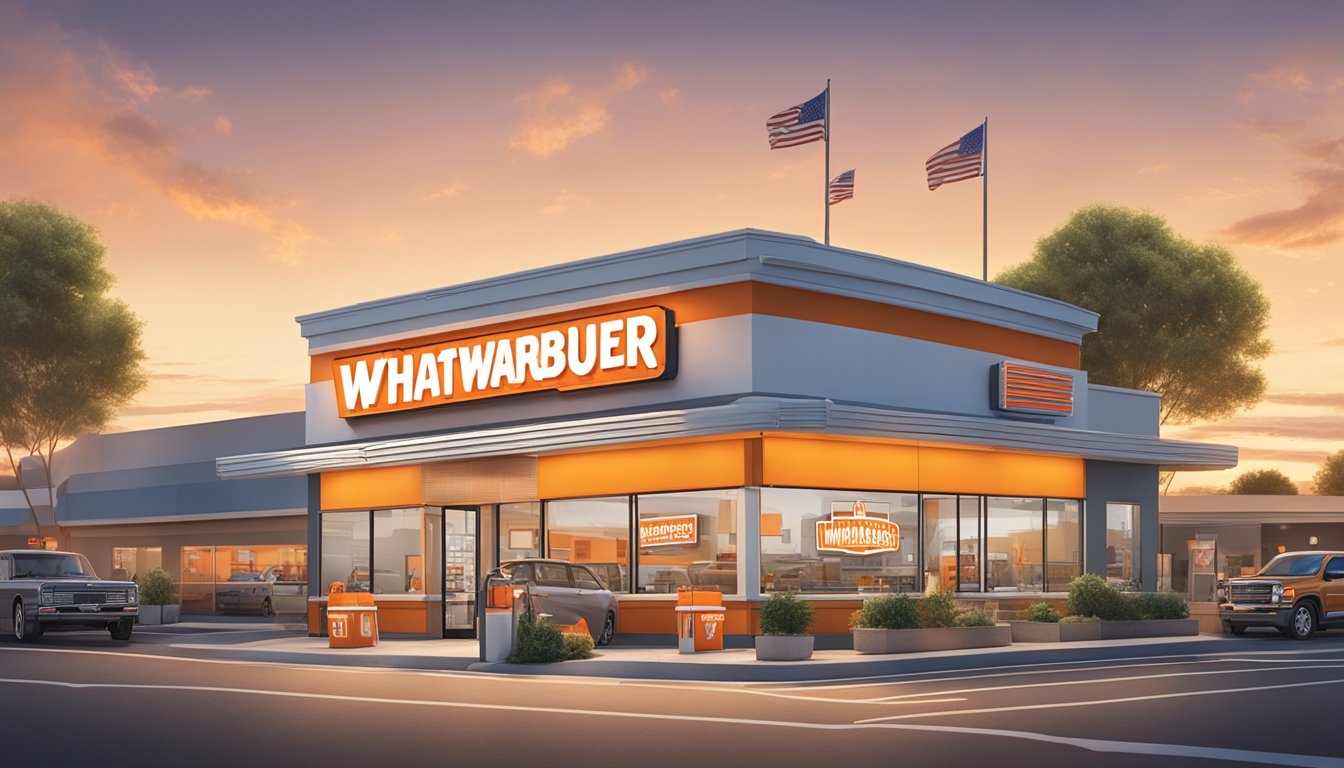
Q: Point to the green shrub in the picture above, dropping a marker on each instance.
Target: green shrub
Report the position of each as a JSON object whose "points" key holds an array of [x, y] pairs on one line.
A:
{"points": [[578, 646], [1043, 612], [1078, 619], [937, 610], [539, 641], [156, 588], [1090, 595], [784, 614], [976, 617], [886, 612], [1158, 605]]}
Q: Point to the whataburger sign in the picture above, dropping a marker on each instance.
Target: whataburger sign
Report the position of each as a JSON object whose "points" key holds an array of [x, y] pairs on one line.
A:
{"points": [[614, 348], [858, 534], [668, 531]]}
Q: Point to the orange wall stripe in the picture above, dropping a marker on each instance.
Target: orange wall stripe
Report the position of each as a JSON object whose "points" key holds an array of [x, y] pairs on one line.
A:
{"points": [[838, 464], [748, 296], [685, 466], [375, 487], [1000, 474]]}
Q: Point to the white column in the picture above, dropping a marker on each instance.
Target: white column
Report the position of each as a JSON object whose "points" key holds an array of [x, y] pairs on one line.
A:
{"points": [[749, 543]]}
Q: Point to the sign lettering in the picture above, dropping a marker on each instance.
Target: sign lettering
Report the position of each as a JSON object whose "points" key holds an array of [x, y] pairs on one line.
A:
{"points": [[668, 531], [857, 533]]}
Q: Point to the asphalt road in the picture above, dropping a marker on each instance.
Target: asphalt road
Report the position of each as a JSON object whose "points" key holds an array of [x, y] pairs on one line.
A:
{"points": [[75, 699]]}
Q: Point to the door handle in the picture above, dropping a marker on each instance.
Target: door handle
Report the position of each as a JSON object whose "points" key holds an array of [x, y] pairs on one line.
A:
{"points": [[541, 594]]}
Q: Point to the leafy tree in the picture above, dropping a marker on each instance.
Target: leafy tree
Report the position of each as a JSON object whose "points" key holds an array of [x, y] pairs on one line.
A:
{"points": [[1177, 317], [1263, 482], [1329, 479], [69, 354]]}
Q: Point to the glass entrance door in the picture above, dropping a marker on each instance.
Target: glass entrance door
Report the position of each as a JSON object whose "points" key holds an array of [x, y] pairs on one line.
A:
{"points": [[460, 570]]}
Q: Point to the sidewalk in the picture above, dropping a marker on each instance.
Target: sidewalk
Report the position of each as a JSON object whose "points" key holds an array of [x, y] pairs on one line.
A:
{"points": [[664, 663]]}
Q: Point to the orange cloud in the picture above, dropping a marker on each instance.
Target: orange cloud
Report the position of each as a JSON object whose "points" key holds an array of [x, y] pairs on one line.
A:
{"points": [[565, 200], [452, 190], [556, 114], [86, 100]]}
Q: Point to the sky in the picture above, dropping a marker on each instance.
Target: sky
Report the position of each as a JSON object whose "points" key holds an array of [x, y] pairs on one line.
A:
{"points": [[246, 163]]}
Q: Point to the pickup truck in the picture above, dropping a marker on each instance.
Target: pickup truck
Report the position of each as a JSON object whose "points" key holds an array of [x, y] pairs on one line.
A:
{"points": [[42, 590], [1297, 593]]}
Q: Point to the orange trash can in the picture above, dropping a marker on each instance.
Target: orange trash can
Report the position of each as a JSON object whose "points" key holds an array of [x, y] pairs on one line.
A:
{"points": [[352, 620], [700, 618]]}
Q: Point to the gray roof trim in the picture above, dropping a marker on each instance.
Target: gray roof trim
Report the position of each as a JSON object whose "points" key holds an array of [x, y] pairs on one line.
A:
{"points": [[722, 258], [747, 414], [89, 523]]}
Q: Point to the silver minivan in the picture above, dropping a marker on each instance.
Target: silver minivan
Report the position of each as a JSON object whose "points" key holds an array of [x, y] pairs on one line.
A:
{"points": [[566, 592]]}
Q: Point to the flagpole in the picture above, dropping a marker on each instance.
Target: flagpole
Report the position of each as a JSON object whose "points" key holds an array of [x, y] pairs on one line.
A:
{"points": [[826, 180], [984, 203]]}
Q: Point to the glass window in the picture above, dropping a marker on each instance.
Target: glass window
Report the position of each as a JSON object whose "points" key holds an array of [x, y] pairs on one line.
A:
{"points": [[859, 550], [584, 578], [345, 551], [969, 565], [551, 574], [519, 531], [128, 563], [198, 579], [689, 540], [940, 543], [595, 532], [1063, 543], [1122, 544], [402, 543], [1014, 544]]}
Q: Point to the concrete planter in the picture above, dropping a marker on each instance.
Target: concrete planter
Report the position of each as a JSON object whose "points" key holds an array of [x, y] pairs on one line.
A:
{"points": [[924, 640], [1124, 630], [159, 614], [783, 647], [1047, 632]]}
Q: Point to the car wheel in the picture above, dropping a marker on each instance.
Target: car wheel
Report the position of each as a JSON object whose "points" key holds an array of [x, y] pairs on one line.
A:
{"points": [[121, 630], [608, 630], [25, 631], [1303, 623], [266, 608]]}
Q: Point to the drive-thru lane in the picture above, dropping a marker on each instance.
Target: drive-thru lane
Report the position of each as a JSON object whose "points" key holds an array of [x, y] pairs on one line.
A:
{"points": [[1252, 707]]}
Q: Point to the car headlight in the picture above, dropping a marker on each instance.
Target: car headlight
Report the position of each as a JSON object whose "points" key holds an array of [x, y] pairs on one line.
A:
{"points": [[46, 596]]}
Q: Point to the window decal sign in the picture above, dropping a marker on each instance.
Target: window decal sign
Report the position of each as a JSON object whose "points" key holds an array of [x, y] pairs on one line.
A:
{"points": [[1027, 389], [858, 533], [614, 348], [668, 531]]}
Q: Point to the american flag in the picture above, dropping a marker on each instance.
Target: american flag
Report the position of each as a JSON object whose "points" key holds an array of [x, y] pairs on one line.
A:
{"points": [[962, 159], [798, 125], [842, 187]]}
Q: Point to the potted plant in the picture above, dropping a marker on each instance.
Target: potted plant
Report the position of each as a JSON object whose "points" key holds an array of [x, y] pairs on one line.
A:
{"points": [[784, 623], [1045, 625], [1124, 615], [901, 624], [157, 604]]}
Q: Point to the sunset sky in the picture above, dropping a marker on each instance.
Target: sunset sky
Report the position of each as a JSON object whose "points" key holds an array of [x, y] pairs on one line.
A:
{"points": [[249, 162]]}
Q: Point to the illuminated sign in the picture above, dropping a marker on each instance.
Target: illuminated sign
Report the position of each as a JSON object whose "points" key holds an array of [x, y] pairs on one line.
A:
{"points": [[1025, 389], [668, 531], [857, 533], [614, 348]]}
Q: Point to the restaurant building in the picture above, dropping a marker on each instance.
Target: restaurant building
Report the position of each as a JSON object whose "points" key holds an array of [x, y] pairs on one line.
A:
{"points": [[749, 411]]}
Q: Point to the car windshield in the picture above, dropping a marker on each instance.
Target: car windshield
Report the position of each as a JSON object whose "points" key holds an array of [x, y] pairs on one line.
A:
{"points": [[1293, 565], [51, 565]]}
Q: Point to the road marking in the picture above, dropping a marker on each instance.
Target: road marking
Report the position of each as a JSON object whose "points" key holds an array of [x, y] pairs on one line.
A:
{"points": [[1093, 745], [1092, 681], [1124, 700]]}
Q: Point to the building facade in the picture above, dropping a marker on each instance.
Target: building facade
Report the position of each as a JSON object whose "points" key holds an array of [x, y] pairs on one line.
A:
{"points": [[751, 412]]}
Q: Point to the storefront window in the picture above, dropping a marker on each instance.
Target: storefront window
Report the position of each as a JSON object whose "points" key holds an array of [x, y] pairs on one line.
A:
{"points": [[519, 531], [968, 530], [129, 563], [198, 580], [688, 540], [345, 551], [404, 540], [854, 553], [1014, 543], [1063, 543], [595, 532], [1122, 544], [940, 543]]}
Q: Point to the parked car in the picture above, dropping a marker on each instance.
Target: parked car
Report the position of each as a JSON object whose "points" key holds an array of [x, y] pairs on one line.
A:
{"points": [[567, 592], [1296, 593], [246, 593], [41, 590]]}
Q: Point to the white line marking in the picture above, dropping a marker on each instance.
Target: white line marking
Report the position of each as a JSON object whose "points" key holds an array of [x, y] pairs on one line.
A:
{"points": [[1124, 700], [1094, 745], [1097, 681]]}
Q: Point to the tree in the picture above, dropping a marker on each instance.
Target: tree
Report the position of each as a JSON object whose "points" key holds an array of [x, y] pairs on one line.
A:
{"points": [[1177, 317], [69, 354], [1263, 482], [1329, 479]]}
